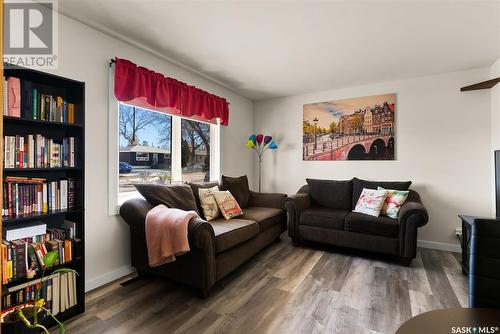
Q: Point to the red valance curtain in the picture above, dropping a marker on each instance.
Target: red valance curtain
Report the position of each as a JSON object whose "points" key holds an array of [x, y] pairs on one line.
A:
{"points": [[142, 87]]}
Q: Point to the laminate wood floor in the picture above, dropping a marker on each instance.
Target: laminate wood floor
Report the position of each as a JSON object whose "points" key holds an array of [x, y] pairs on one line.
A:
{"points": [[311, 289]]}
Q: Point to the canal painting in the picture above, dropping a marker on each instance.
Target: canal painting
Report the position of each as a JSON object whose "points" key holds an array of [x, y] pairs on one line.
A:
{"points": [[360, 128]]}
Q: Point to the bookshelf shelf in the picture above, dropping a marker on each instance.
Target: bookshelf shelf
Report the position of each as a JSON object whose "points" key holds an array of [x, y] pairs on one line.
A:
{"points": [[9, 119], [71, 264], [38, 86], [54, 169], [37, 216]]}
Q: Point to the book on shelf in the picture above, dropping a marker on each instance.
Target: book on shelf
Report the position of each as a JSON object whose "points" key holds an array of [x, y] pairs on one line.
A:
{"points": [[24, 196], [23, 231], [36, 151], [25, 100], [70, 227], [74, 198], [12, 97], [21, 256], [59, 292], [5, 98]]}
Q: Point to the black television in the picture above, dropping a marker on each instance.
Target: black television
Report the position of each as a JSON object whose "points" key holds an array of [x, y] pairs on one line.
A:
{"points": [[497, 183]]}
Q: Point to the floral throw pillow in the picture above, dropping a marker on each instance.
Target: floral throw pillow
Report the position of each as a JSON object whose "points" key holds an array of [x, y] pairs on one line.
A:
{"points": [[393, 202], [227, 204], [208, 202], [370, 202]]}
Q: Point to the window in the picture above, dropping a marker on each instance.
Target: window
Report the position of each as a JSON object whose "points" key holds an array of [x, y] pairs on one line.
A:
{"points": [[155, 147], [141, 156], [195, 151], [145, 138]]}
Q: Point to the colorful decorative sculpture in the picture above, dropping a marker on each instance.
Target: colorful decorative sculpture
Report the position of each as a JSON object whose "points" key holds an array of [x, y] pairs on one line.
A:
{"points": [[260, 143]]}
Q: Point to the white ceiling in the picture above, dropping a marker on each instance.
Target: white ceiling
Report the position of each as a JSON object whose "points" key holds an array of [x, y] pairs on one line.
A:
{"points": [[268, 49]]}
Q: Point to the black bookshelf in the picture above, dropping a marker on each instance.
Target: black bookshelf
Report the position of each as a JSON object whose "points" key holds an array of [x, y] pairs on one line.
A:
{"points": [[72, 91]]}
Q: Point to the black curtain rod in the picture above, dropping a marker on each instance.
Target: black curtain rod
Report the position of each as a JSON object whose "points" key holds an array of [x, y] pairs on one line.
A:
{"points": [[111, 62]]}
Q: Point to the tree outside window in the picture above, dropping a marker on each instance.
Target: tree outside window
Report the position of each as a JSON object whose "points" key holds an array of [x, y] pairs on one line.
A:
{"points": [[145, 147]]}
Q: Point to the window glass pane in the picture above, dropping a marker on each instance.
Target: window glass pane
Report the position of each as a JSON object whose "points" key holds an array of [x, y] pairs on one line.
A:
{"points": [[145, 146], [195, 151]]}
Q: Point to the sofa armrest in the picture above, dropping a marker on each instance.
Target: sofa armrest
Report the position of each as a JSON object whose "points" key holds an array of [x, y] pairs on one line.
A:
{"points": [[410, 209], [267, 200], [196, 268], [412, 215], [200, 233], [299, 201], [134, 211], [294, 206]]}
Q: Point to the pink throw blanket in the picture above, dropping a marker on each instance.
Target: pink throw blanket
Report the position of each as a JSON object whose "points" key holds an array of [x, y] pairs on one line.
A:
{"points": [[167, 234]]}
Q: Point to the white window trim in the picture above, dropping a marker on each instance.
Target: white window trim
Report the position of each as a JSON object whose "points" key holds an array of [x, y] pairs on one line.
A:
{"points": [[113, 146], [176, 150], [214, 154], [114, 201]]}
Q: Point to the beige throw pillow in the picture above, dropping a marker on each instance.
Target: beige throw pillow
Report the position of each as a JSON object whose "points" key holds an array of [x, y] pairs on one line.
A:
{"points": [[227, 204], [370, 202], [208, 203], [393, 202]]}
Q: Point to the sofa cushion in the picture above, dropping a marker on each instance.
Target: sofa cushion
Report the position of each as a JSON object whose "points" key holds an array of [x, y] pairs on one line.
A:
{"points": [[238, 187], [393, 202], [332, 194], [359, 184], [228, 206], [265, 217], [179, 196], [230, 233], [208, 203], [323, 217], [195, 186], [382, 226], [371, 201]]}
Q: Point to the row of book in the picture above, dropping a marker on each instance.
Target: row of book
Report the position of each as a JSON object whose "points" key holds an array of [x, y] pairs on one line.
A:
{"points": [[26, 195], [23, 258], [59, 292], [24, 99], [36, 151], [38, 232]]}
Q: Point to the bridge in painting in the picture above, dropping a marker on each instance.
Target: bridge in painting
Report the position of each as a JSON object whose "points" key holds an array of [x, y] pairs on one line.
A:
{"points": [[349, 147]]}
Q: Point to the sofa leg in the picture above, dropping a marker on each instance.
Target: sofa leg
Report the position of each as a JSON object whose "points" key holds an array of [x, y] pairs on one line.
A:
{"points": [[296, 242], [405, 261], [204, 292]]}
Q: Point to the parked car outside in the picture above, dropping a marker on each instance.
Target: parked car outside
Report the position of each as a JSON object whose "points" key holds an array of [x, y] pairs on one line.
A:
{"points": [[125, 167]]}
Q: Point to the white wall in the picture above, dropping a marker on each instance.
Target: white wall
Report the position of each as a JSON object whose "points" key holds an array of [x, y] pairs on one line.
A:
{"points": [[84, 55], [495, 125], [442, 145]]}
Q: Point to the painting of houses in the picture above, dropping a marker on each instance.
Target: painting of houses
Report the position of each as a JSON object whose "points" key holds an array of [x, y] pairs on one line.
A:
{"points": [[359, 128]]}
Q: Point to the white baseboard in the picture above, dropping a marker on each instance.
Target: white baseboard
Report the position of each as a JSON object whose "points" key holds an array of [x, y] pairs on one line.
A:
{"points": [[439, 246], [98, 281]]}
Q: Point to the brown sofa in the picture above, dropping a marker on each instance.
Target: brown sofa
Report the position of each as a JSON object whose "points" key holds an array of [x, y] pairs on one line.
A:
{"points": [[217, 247], [322, 211]]}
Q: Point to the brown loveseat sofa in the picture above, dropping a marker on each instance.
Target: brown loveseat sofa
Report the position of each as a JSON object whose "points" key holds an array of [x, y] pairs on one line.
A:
{"points": [[322, 211], [217, 247]]}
